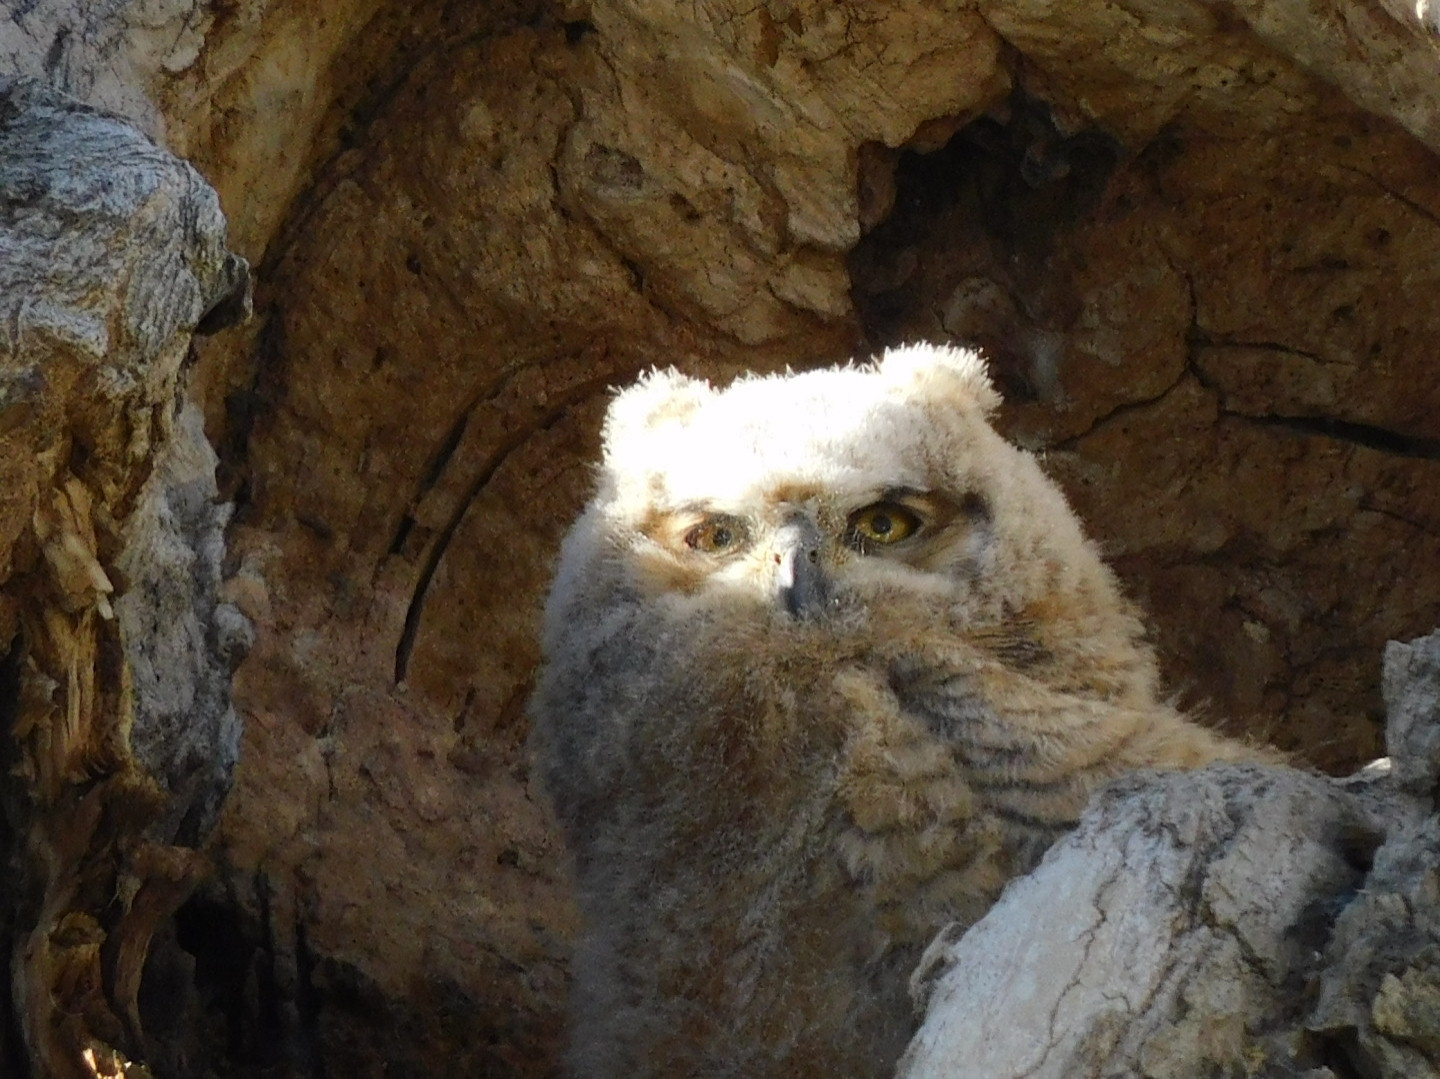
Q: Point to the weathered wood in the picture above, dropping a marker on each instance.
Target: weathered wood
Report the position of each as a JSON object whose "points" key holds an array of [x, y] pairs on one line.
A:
{"points": [[1379, 995], [115, 722], [1236, 921]]}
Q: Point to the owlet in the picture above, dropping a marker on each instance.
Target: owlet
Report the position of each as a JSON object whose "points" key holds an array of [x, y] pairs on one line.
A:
{"points": [[827, 662]]}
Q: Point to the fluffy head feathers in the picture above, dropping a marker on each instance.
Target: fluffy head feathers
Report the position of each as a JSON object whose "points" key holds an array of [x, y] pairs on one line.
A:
{"points": [[674, 438]]}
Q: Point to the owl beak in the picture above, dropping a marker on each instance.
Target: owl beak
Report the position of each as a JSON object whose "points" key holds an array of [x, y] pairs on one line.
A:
{"points": [[799, 580]]}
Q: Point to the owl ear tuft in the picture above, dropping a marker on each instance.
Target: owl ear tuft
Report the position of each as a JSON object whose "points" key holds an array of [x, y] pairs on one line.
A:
{"points": [[942, 371], [657, 397]]}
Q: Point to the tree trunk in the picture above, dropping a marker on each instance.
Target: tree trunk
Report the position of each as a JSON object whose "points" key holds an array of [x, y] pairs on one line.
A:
{"points": [[119, 739], [1234, 921]]}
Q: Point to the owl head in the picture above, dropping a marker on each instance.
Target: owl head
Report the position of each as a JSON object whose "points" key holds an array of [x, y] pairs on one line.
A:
{"points": [[802, 493], [858, 510]]}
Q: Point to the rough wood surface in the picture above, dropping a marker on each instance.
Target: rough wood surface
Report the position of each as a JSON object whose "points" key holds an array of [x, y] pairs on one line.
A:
{"points": [[1379, 994], [116, 728], [1232, 921]]}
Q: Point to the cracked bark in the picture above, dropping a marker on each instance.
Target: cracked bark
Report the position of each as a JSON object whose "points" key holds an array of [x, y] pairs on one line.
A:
{"points": [[492, 464], [1127, 408], [1258, 921], [1356, 434], [1370, 436], [116, 729]]}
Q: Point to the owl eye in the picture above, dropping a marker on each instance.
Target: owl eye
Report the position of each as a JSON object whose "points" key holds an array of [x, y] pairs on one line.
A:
{"points": [[719, 534], [880, 524]]}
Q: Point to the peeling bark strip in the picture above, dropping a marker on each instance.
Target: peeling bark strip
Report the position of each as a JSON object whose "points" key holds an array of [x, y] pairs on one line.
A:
{"points": [[1233, 921], [116, 732]]}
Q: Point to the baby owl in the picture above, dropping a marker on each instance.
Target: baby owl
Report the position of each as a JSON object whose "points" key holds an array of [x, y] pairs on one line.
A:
{"points": [[827, 662]]}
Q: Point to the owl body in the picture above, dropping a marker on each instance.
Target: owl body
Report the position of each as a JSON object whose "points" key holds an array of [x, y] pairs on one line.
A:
{"points": [[827, 662]]}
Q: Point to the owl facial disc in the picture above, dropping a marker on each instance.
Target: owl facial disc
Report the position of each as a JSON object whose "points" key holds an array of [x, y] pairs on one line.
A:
{"points": [[800, 582]]}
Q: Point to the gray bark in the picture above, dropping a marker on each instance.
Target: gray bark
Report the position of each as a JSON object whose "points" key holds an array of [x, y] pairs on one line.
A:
{"points": [[181, 642], [1380, 991], [107, 53], [1234, 921], [115, 721]]}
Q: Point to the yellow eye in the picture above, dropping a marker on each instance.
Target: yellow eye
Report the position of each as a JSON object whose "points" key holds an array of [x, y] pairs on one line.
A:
{"points": [[880, 524], [719, 534]]}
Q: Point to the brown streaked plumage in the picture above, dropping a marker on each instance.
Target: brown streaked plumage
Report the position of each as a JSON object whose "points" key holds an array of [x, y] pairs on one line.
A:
{"points": [[827, 662]]}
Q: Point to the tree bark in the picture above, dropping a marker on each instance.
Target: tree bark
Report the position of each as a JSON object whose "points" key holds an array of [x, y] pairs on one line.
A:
{"points": [[115, 722], [1234, 921]]}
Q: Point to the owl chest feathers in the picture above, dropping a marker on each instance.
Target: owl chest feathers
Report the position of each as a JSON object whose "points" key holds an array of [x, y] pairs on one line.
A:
{"points": [[931, 762]]}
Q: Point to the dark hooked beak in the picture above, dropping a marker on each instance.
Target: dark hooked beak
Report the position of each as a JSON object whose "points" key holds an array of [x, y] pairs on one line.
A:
{"points": [[800, 582]]}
